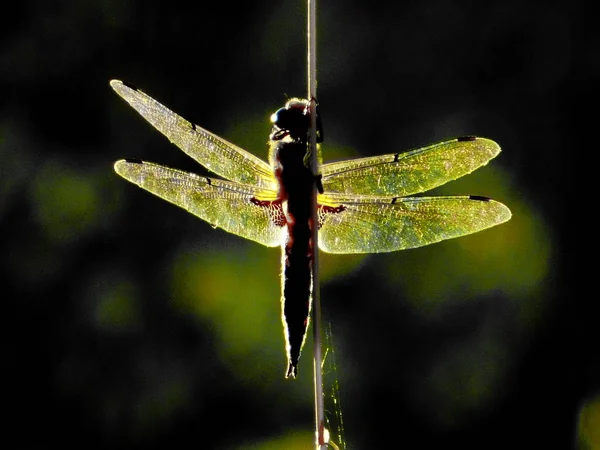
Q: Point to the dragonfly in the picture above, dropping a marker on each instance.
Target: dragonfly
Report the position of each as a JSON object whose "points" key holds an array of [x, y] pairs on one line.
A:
{"points": [[364, 205]]}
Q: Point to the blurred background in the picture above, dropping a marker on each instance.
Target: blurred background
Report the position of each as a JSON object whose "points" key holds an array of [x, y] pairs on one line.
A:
{"points": [[129, 323]]}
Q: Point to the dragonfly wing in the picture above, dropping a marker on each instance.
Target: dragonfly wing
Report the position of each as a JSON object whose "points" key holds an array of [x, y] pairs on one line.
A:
{"points": [[402, 174], [370, 224], [223, 204], [214, 153]]}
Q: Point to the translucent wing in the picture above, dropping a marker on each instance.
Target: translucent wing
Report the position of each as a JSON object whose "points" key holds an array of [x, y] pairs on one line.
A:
{"points": [[371, 224], [223, 204], [402, 174], [216, 154]]}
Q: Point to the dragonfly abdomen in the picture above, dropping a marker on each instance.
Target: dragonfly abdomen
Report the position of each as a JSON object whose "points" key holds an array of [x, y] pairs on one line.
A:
{"points": [[296, 190], [296, 298]]}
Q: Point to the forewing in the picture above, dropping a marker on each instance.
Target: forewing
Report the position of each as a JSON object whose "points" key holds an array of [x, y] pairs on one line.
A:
{"points": [[223, 204], [372, 224], [402, 174], [216, 154]]}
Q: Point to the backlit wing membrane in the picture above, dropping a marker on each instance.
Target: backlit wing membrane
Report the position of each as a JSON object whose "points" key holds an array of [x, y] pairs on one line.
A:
{"points": [[223, 204], [216, 154], [370, 224], [401, 174], [368, 211]]}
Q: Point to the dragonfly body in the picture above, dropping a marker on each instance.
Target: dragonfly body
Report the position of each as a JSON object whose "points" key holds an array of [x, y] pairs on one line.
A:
{"points": [[296, 187], [364, 204]]}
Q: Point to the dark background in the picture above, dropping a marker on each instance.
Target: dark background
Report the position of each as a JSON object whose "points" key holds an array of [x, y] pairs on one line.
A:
{"points": [[128, 323]]}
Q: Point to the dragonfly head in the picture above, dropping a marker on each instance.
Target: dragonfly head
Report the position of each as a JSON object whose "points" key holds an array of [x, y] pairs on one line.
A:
{"points": [[293, 120]]}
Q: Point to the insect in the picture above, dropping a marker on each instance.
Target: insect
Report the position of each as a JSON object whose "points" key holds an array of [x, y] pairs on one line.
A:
{"points": [[364, 204]]}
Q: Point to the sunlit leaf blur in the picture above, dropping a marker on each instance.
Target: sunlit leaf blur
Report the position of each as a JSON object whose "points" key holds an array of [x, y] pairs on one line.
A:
{"points": [[129, 323], [588, 433]]}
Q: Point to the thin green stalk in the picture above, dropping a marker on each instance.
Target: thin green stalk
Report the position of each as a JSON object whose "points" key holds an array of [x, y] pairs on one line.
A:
{"points": [[320, 438]]}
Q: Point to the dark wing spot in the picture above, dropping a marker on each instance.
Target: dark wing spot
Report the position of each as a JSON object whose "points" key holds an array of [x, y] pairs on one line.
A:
{"points": [[396, 157], [323, 211], [466, 138], [263, 203], [479, 197], [394, 200], [274, 208], [331, 209]]}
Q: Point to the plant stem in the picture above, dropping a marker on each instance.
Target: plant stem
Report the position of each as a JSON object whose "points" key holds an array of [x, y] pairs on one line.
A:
{"points": [[320, 439]]}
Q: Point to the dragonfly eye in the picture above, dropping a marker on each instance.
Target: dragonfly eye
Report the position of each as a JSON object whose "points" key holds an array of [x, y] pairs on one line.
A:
{"points": [[293, 120]]}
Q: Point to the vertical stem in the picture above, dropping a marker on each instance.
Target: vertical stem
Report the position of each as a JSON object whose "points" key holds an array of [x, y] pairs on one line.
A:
{"points": [[320, 443]]}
